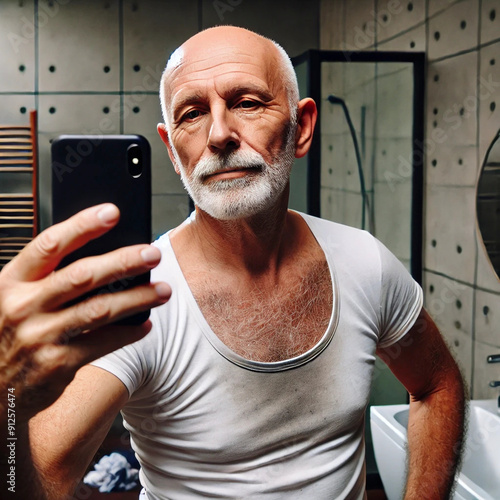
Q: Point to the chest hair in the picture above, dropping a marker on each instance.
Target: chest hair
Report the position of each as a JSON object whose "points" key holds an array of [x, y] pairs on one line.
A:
{"points": [[272, 324]]}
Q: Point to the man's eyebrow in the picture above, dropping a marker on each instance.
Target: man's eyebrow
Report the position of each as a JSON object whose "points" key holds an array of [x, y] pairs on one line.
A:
{"points": [[178, 104], [238, 90]]}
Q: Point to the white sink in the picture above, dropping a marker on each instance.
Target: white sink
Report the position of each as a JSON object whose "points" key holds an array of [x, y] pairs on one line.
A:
{"points": [[479, 478]]}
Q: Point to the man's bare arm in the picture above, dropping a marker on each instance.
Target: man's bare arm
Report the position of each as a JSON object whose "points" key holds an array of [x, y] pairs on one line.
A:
{"points": [[74, 428], [55, 448], [423, 363]]}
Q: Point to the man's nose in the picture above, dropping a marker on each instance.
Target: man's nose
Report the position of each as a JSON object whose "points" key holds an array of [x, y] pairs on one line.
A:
{"points": [[223, 134]]}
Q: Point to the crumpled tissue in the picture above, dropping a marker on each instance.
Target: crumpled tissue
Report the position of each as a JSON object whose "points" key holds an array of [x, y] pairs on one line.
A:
{"points": [[112, 473]]}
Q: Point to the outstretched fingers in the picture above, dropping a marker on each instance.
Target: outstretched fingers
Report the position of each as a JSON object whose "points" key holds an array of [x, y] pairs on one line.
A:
{"points": [[110, 271], [104, 309], [42, 255]]}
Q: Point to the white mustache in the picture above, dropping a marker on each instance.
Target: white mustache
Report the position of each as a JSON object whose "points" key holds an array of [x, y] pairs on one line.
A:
{"points": [[236, 159]]}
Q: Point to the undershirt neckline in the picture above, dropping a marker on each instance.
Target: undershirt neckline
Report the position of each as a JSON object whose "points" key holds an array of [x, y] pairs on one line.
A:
{"points": [[261, 366]]}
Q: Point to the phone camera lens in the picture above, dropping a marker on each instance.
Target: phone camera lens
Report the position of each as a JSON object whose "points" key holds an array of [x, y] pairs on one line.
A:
{"points": [[134, 160]]}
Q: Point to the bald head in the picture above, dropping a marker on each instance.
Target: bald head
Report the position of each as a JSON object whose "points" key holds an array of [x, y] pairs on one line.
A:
{"points": [[214, 42]]}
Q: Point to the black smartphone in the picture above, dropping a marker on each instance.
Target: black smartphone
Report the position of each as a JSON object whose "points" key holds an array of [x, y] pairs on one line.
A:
{"points": [[88, 170]]}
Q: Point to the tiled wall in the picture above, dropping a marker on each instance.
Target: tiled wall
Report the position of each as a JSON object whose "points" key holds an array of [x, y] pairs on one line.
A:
{"points": [[462, 42], [94, 68]]}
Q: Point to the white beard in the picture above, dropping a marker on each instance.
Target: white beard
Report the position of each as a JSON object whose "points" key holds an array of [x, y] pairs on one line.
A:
{"points": [[228, 199]]}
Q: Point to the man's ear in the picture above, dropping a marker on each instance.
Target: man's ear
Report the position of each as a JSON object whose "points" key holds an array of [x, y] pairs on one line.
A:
{"points": [[306, 120], [162, 130]]}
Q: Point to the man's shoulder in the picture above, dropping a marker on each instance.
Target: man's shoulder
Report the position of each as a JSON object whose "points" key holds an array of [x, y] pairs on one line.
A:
{"points": [[346, 246], [335, 230]]}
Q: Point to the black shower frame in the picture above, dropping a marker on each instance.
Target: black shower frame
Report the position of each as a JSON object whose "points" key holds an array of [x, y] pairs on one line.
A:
{"points": [[314, 58]]}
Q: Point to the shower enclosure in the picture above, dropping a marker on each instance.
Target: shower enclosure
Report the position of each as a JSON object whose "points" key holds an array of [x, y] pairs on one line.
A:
{"points": [[365, 166], [383, 95]]}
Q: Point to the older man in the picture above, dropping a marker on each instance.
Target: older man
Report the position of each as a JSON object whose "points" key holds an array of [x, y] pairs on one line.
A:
{"points": [[254, 380]]}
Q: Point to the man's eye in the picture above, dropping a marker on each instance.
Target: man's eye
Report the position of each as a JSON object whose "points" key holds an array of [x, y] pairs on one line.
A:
{"points": [[191, 115], [247, 104]]}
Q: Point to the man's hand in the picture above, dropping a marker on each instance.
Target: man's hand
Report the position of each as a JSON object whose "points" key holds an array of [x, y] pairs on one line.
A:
{"points": [[43, 342]]}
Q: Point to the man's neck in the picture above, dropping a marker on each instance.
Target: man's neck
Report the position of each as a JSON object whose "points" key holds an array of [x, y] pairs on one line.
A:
{"points": [[255, 246]]}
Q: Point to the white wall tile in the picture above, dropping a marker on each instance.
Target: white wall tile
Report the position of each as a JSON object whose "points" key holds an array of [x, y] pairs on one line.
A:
{"points": [[79, 47], [490, 20], [409, 41], [17, 57], [151, 32], [360, 25], [487, 318], [396, 17], [454, 30], [70, 114], [450, 246], [14, 109], [450, 304], [452, 102], [452, 165], [95, 114], [436, 6]]}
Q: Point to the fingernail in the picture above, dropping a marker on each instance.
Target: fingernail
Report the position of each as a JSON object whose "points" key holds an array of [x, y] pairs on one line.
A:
{"points": [[108, 213], [150, 255], [163, 290]]}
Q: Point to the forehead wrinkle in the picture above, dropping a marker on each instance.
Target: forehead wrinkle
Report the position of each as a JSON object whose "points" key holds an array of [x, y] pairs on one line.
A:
{"points": [[225, 82], [193, 71]]}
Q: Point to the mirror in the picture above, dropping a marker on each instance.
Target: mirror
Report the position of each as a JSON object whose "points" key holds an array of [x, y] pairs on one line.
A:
{"points": [[488, 203]]}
